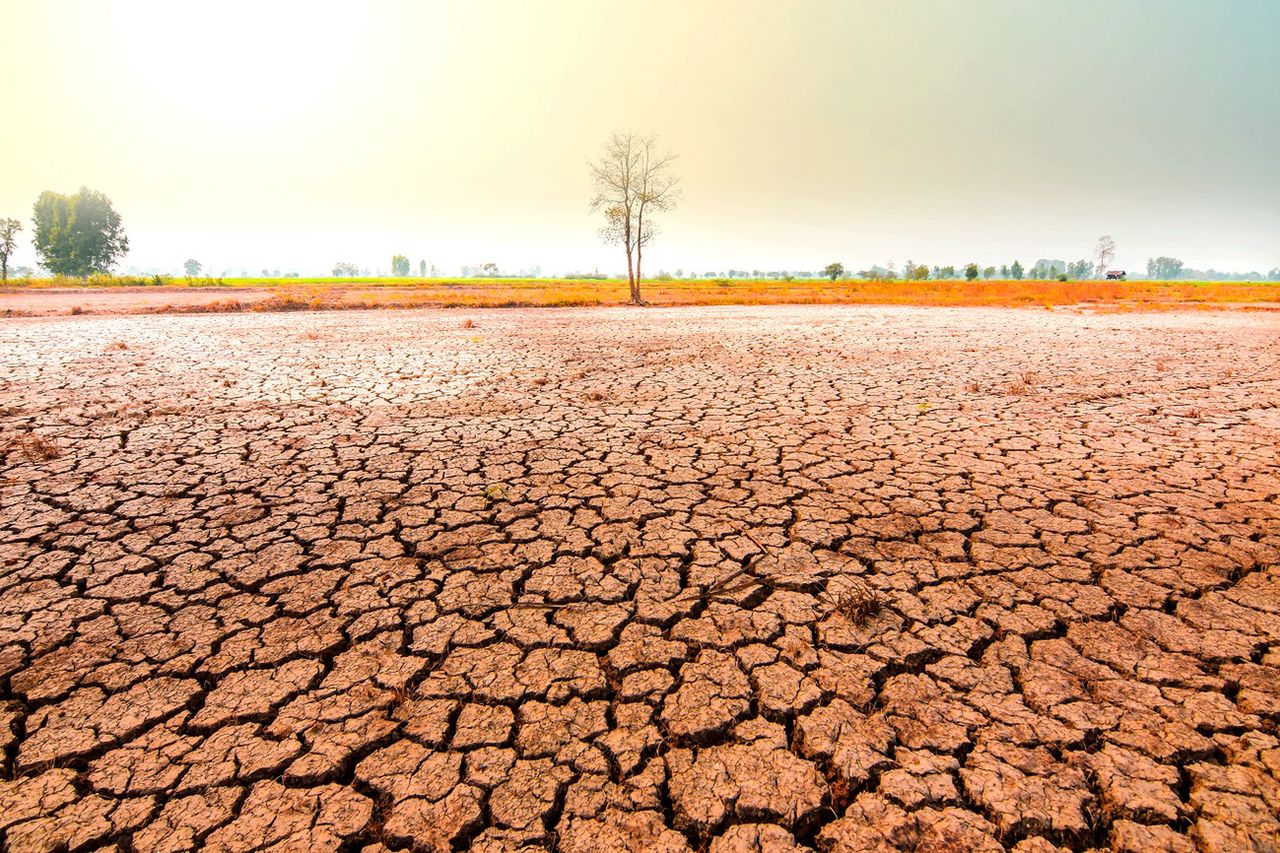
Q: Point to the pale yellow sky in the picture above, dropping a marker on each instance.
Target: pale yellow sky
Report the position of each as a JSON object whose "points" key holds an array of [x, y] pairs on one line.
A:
{"points": [[294, 135]]}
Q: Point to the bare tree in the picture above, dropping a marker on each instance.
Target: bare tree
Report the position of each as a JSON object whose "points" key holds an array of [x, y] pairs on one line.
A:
{"points": [[632, 181], [9, 229], [1103, 254]]}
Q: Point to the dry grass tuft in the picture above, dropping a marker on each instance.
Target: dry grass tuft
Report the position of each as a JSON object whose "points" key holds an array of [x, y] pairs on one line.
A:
{"points": [[972, 387], [1024, 384], [117, 345], [468, 323], [36, 448], [287, 302], [857, 604]]}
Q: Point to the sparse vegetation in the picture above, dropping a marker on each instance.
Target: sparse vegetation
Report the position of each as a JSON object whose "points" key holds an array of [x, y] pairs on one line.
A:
{"points": [[328, 293]]}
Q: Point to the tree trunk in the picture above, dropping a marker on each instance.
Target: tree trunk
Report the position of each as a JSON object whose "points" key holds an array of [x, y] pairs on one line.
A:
{"points": [[635, 291], [631, 278]]}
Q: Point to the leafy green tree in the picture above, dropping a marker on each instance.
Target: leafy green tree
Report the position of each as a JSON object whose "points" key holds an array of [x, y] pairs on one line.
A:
{"points": [[833, 271], [9, 229], [1015, 271], [1164, 268], [1004, 270], [490, 269], [399, 265], [422, 269], [988, 272], [970, 272], [78, 234], [192, 267], [915, 272]]}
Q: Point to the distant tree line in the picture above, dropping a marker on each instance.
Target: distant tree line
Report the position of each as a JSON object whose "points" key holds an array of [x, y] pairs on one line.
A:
{"points": [[81, 234]]}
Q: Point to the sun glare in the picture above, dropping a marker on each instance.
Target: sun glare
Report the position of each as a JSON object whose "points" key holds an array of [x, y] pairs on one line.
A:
{"points": [[247, 65]]}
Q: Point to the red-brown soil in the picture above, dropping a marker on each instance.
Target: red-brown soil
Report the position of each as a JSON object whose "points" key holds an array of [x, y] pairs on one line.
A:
{"points": [[579, 579]]}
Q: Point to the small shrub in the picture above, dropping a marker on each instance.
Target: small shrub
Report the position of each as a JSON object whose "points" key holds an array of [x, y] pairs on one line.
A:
{"points": [[76, 310], [468, 323], [117, 345]]}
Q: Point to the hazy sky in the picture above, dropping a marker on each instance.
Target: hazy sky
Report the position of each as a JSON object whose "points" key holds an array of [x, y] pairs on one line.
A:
{"points": [[294, 135]]}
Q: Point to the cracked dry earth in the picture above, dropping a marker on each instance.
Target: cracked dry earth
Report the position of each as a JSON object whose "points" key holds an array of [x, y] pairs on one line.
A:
{"points": [[572, 579]]}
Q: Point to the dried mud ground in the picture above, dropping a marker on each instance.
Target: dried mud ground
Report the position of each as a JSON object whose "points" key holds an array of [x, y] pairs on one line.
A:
{"points": [[588, 580]]}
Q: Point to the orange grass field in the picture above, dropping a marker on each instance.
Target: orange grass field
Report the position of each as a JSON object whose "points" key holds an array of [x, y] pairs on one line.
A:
{"points": [[332, 293]]}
